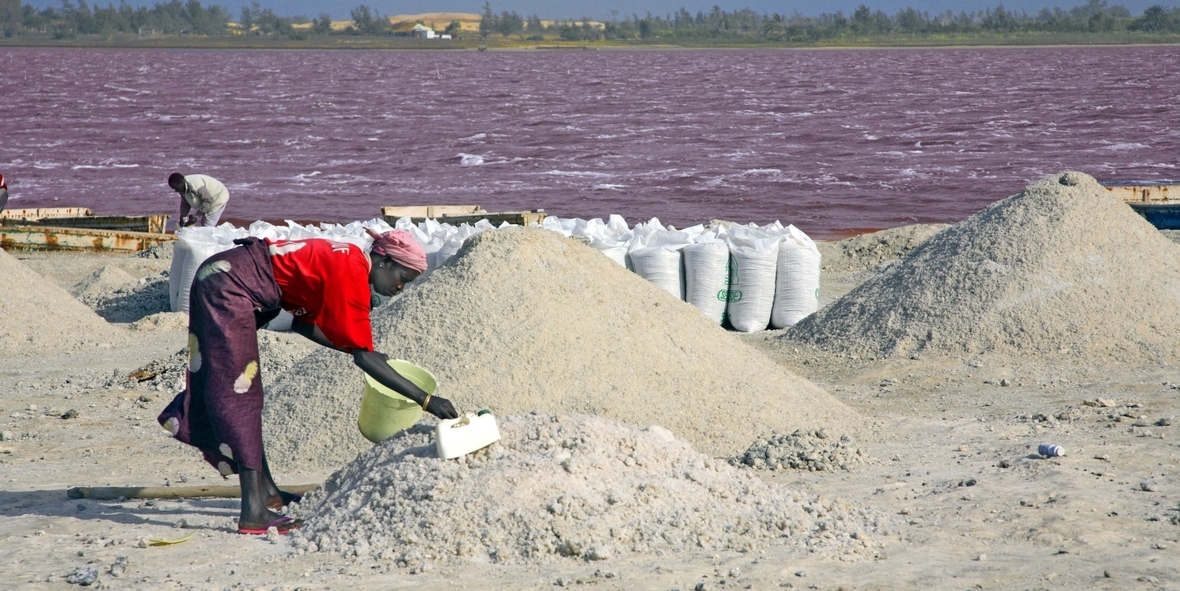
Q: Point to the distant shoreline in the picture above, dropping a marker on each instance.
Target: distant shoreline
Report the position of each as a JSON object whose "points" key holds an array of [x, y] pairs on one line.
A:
{"points": [[346, 43]]}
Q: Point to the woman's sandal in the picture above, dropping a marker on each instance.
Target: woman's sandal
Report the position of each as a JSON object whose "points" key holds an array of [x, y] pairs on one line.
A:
{"points": [[283, 524]]}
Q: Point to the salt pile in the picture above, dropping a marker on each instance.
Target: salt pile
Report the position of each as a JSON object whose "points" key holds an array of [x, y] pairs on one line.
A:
{"points": [[524, 320], [101, 282], [118, 297], [561, 487], [37, 316], [277, 352], [1060, 269], [861, 253], [159, 250], [162, 321]]}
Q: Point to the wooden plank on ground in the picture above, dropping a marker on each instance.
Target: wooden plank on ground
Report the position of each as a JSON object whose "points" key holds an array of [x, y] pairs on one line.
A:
{"points": [[110, 493]]}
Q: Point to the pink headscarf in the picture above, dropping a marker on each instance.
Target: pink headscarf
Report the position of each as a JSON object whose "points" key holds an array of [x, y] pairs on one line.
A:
{"points": [[400, 246]]}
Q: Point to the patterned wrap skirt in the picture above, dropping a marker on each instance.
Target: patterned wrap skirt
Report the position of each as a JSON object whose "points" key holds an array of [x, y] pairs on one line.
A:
{"points": [[220, 410]]}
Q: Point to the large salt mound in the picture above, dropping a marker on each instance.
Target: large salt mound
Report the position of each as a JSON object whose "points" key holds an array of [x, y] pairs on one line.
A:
{"points": [[866, 251], [524, 320], [277, 352], [1060, 269], [564, 486], [37, 316], [101, 282]]}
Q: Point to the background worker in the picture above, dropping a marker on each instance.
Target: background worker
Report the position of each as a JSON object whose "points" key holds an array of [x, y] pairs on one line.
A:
{"points": [[202, 199], [326, 285], [3, 193]]}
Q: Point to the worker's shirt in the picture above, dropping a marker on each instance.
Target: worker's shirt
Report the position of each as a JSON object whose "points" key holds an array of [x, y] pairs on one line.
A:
{"points": [[326, 283], [206, 194]]}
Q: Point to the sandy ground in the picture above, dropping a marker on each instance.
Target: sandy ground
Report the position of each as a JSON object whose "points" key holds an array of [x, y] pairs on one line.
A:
{"points": [[952, 440]]}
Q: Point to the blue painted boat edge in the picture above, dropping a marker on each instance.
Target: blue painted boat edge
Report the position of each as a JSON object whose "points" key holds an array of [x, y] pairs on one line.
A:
{"points": [[1164, 216]]}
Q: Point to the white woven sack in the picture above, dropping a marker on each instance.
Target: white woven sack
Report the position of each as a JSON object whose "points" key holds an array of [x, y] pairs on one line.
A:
{"points": [[796, 293], [435, 241], [660, 266], [564, 226], [614, 249], [656, 257], [451, 247], [611, 239], [202, 243], [706, 278], [751, 284], [180, 254], [616, 226]]}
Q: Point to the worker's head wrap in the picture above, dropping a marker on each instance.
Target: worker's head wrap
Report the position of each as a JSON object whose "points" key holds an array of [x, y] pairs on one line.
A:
{"points": [[400, 246]]}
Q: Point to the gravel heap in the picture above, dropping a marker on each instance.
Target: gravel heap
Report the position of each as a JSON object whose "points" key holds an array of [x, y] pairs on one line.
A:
{"points": [[564, 487], [37, 316], [159, 250], [864, 252], [104, 280], [525, 320], [1062, 269], [278, 353], [162, 321], [814, 451], [118, 297]]}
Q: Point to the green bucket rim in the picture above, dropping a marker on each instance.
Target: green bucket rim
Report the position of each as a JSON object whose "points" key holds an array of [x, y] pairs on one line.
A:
{"points": [[380, 388]]}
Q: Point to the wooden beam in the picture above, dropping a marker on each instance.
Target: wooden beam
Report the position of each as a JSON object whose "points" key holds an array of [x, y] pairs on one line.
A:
{"points": [[109, 493]]}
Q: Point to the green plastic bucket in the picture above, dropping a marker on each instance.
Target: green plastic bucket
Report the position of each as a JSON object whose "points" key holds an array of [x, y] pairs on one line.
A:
{"points": [[385, 412]]}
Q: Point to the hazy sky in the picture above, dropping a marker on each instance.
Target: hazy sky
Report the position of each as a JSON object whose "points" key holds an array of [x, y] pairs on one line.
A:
{"points": [[601, 9]]}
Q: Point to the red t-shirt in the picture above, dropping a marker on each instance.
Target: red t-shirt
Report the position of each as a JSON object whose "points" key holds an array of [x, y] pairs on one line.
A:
{"points": [[326, 283]]}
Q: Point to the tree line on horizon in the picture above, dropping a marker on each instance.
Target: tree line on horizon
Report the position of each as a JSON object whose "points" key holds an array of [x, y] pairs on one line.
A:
{"points": [[192, 17], [1095, 16]]}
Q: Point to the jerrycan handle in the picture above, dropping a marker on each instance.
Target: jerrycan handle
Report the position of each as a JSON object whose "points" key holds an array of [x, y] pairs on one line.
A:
{"points": [[462, 421]]}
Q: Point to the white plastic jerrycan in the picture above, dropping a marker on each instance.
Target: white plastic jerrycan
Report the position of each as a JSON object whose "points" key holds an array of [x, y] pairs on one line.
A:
{"points": [[468, 433]]}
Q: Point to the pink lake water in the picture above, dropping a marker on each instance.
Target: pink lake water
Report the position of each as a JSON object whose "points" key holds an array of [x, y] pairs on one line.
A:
{"points": [[833, 141]]}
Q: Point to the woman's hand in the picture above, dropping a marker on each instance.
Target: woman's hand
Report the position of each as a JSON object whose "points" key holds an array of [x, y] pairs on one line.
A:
{"points": [[441, 408], [375, 364]]}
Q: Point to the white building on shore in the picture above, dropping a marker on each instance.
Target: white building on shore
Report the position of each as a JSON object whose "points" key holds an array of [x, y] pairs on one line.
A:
{"points": [[423, 32]]}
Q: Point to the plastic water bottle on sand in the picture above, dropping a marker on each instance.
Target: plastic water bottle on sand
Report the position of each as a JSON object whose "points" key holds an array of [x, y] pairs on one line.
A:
{"points": [[1050, 451]]}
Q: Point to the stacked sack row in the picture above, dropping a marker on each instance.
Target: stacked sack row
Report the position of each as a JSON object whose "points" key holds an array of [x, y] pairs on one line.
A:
{"points": [[194, 245], [749, 277]]}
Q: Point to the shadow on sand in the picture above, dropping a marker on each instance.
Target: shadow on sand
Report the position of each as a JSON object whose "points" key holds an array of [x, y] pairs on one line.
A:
{"points": [[55, 503]]}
